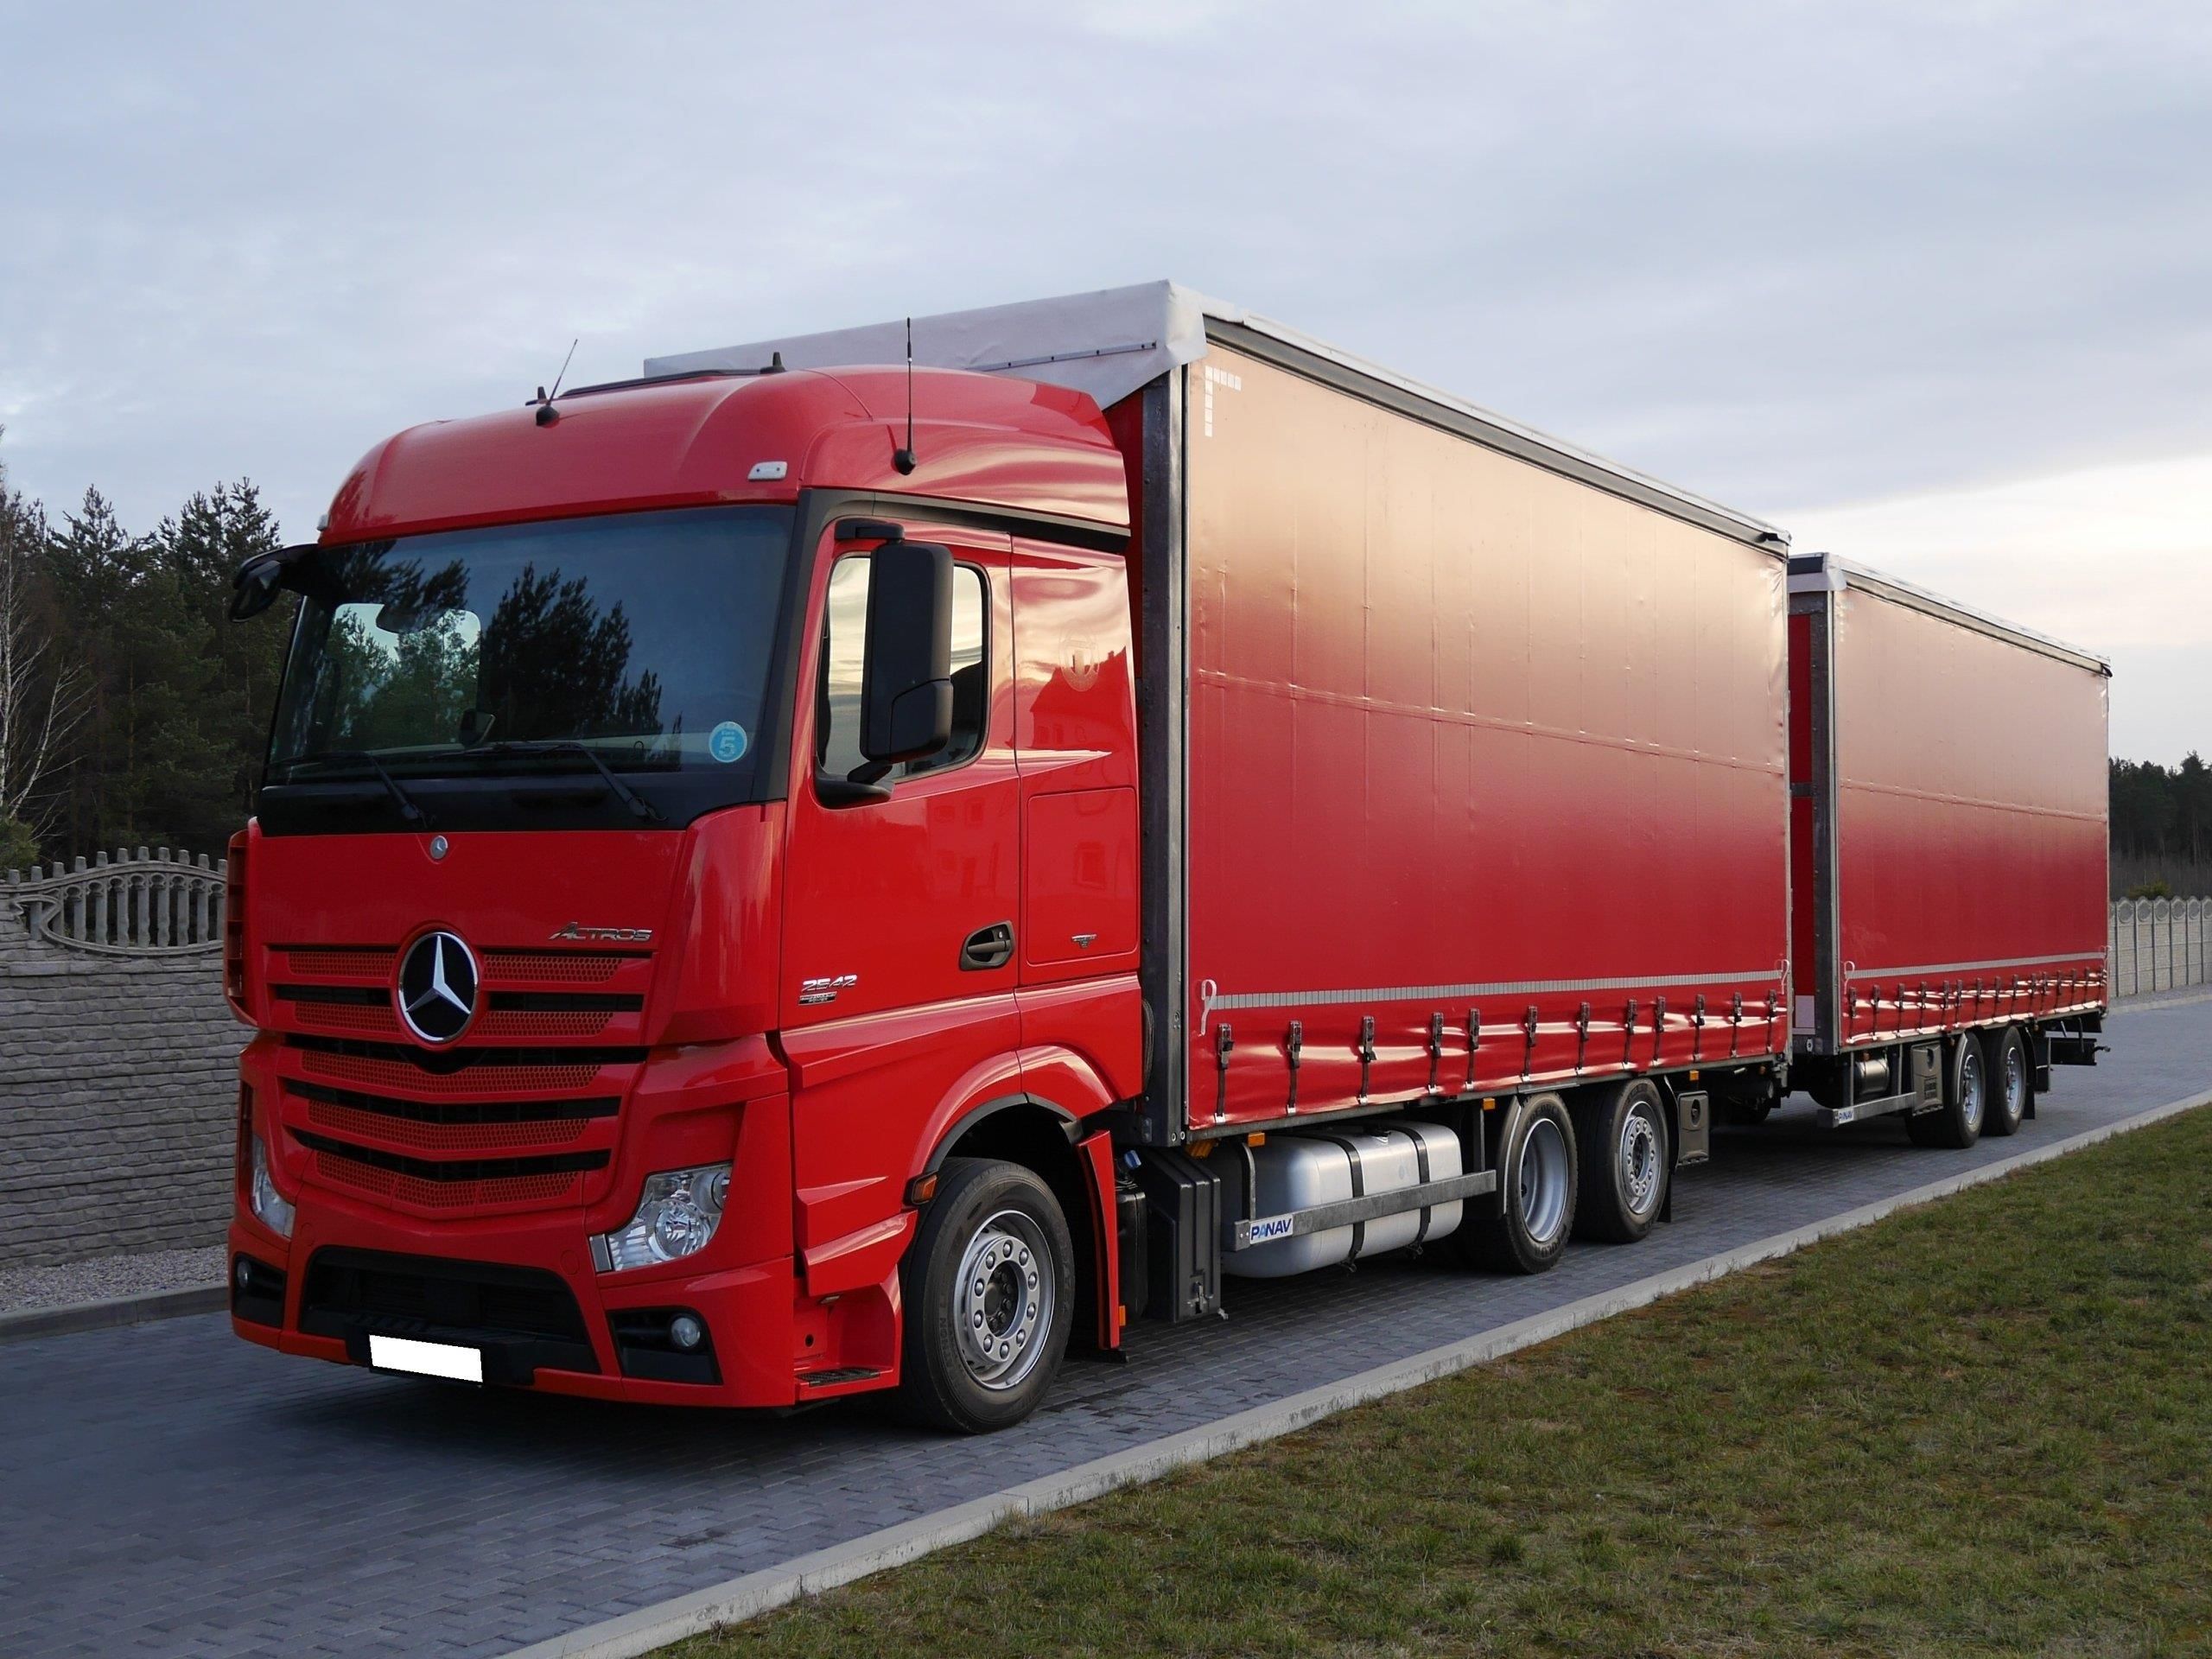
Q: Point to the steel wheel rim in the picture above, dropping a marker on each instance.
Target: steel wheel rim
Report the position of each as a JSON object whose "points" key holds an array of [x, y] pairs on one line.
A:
{"points": [[1003, 1300], [1971, 1086], [1541, 1180], [2016, 1082], [1640, 1160]]}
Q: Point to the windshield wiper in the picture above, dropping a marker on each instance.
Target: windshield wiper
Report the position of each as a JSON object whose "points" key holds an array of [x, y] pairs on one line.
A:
{"points": [[640, 808], [408, 808]]}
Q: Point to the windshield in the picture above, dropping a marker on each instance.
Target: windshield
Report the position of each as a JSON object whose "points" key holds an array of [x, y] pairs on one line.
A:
{"points": [[643, 638]]}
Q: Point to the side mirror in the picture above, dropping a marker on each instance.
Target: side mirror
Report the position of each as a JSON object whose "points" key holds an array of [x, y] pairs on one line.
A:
{"points": [[907, 676], [254, 589]]}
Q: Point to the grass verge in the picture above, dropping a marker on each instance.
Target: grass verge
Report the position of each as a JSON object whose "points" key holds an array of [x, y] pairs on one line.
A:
{"points": [[1984, 1426]]}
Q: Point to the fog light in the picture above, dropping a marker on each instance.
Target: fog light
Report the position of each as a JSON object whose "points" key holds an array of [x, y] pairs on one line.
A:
{"points": [[268, 1205], [258, 1292], [678, 1213], [686, 1333]]}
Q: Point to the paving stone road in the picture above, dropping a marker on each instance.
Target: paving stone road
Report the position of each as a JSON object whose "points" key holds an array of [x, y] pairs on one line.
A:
{"points": [[167, 1489]]}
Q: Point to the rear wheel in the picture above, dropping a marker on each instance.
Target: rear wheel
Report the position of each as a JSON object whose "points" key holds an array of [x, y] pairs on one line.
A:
{"points": [[1620, 1136], [1535, 1194], [2005, 1053], [987, 1284], [1957, 1124]]}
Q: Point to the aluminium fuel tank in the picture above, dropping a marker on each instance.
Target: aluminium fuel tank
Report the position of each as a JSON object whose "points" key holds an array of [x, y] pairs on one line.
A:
{"points": [[1301, 1170]]}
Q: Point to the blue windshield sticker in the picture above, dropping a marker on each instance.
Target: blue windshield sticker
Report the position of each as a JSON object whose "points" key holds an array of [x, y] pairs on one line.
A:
{"points": [[727, 742]]}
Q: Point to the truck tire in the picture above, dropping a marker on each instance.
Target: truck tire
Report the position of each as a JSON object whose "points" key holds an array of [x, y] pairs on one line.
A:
{"points": [[1536, 1178], [988, 1286], [1621, 1144], [2004, 1059], [1957, 1123]]}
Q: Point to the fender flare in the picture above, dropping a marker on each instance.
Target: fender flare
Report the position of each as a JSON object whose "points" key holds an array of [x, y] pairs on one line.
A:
{"points": [[1069, 1125], [1074, 1093]]}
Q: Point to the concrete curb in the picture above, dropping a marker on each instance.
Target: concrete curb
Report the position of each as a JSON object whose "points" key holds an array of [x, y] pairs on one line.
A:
{"points": [[740, 1599], [118, 1310]]}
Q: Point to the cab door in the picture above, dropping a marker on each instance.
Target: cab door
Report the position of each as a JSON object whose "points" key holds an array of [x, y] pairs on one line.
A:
{"points": [[1075, 735], [898, 960], [883, 898]]}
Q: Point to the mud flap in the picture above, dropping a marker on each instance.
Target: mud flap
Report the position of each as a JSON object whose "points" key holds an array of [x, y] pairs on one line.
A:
{"points": [[1096, 1154]]}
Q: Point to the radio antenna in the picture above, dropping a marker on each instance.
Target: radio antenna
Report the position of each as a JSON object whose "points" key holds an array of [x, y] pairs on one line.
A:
{"points": [[546, 413], [565, 361], [903, 458]]}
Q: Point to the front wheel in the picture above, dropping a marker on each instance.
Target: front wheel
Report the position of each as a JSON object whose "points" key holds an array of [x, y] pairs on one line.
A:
{"points": [[989, 1285]]}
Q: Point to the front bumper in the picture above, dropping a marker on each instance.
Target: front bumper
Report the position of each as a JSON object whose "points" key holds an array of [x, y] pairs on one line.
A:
{"points": [[502, 1292], [520, 1287]]}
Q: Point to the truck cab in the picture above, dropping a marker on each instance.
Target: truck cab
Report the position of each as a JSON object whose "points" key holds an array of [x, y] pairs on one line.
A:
{"points": [[698, 853]]}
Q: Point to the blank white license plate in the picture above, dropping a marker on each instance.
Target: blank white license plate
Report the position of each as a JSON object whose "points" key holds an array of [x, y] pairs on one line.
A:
{"points": [[427, 1358]]}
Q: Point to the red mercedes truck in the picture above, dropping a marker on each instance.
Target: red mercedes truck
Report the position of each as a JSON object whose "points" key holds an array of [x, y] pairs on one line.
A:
{"points": [[1948, 843], [855, 862]]}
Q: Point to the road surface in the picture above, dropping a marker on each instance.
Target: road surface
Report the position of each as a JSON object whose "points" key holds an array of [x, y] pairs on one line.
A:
{"points": [[169, 1490]]}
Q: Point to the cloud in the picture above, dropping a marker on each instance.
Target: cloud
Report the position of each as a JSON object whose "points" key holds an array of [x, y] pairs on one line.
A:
{"points": [[1778, 254], [2117, 559]]}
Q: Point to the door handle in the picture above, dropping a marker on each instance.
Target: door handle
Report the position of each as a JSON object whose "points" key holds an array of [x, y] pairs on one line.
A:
{"points": [[987, 948]]}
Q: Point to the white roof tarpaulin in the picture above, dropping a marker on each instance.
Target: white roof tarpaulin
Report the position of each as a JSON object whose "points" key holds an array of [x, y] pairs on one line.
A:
{"points": [[1110, 341], [1107, 342]]}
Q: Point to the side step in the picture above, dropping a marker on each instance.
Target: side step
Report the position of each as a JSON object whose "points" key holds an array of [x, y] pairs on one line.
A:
{"points": [[847, 1374]]}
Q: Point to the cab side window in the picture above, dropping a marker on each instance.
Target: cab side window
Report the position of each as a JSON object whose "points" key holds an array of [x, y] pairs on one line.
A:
{"points": [[837, 693]]}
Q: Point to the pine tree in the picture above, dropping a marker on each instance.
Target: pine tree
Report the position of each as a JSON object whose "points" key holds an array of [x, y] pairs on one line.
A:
{"points": [[199, 551], [2192, 808], [43, 690], [179, 699], [94, 568]]}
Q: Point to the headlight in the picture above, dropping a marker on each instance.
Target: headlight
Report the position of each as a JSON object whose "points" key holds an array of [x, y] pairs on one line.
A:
{"points": [[268, 1205], [676, 1215]]}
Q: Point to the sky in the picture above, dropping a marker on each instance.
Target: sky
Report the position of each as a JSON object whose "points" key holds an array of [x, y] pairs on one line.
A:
{"points": [[1928, 285]]}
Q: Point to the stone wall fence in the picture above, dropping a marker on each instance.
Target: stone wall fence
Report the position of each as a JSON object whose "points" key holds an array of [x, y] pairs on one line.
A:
{"points": [[118, 1088], [2160, 944]]}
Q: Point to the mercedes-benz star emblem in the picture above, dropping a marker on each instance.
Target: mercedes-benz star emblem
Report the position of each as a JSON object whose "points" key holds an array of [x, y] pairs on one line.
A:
{"points": [[437, 987]]}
